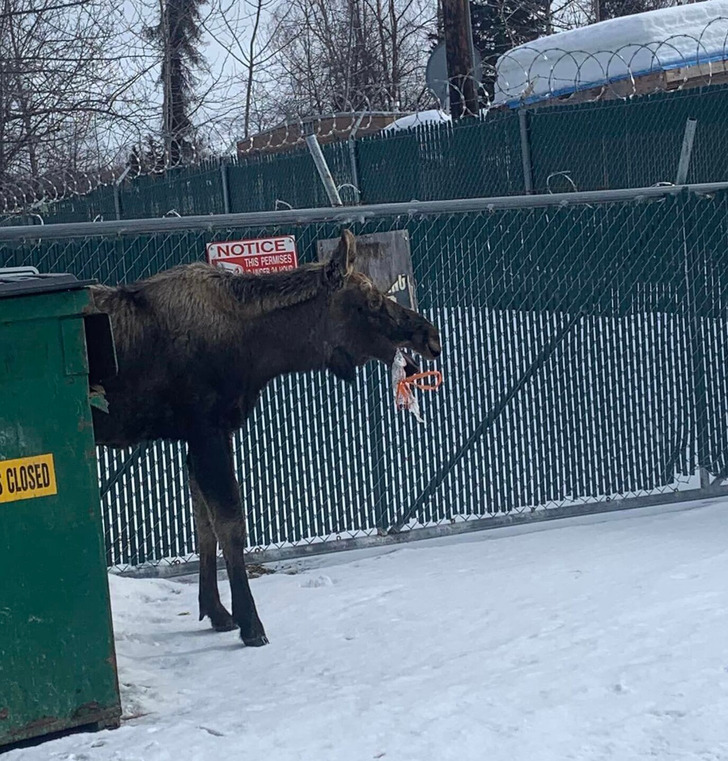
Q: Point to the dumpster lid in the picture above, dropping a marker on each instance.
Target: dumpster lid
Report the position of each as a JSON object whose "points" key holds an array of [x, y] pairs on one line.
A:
{"points": [[19, 281]]}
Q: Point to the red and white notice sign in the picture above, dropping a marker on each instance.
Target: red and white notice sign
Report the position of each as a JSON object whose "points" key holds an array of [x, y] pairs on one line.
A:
{"points": [[260, 256]]}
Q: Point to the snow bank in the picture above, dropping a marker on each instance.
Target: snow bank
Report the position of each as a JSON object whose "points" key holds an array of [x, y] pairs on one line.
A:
{"points": [[598, 639], [413, 120], [613, 50]]}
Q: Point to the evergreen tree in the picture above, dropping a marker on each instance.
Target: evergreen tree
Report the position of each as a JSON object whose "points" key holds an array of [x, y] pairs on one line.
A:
{"points": [[178, 35], [616, 8], [499, 25]]}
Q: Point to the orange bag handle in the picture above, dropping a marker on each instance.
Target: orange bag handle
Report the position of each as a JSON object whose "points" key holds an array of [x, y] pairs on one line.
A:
{"points": [[403, 390]]}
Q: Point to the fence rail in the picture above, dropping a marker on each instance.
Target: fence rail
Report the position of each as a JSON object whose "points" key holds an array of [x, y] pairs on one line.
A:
{"points": [[345, 214], [585, 352]]}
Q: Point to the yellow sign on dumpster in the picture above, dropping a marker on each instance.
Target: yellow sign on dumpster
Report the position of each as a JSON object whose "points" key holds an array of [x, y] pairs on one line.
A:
{"points": [[27, 478]]}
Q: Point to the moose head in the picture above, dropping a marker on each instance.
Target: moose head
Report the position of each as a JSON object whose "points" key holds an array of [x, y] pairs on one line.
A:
{"points": [[363, 324]]}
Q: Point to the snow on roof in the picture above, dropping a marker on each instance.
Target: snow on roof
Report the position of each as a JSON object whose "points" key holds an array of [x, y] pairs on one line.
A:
{"points": [[413, 120], [631, 46]]}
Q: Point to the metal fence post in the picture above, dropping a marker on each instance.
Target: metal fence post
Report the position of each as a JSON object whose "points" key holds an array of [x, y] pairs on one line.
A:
{"points": [[377, 452], [323, 170], [225, 187], [354, 168], [117, 201], [696, 295], [117, 191], [686, 151], [525, 151]]}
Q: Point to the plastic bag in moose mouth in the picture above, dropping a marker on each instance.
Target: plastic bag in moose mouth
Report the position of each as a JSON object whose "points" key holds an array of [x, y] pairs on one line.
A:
{"points": [[404, 398]]}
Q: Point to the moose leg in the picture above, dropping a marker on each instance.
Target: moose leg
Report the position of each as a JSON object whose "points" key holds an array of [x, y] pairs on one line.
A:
{"points": [[209, 596], [211, 466]]}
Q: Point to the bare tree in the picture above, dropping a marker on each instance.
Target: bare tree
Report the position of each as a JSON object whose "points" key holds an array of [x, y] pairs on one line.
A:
{"points": [[499, 25], [71, 93], [606, 9], [49, 86], [344, 55], [569, 14], [249, 37]]}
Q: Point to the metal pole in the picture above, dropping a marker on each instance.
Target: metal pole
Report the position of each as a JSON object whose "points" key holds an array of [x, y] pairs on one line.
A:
{"points": [[352, 157], [323, 170], [225, 188], [696, 296], [117, 191], [117, 202], [704, 478], [471, 45], [686, 151], [525, 151]]}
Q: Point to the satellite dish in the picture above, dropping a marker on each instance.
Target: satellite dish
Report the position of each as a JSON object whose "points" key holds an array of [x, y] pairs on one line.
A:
{"points": [[436, 73]]}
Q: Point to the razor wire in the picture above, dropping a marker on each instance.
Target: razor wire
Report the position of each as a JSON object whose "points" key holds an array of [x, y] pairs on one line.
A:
{"points": [[593, 146], [534, 74], [611, 72]]}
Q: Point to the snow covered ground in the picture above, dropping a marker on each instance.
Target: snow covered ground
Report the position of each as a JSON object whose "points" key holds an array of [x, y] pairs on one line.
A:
{"points": [[594, 638]]}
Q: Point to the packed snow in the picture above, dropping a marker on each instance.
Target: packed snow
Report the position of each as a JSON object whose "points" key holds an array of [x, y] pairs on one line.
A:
{"points": [[592, 638], [613, 50], [431, 116]]}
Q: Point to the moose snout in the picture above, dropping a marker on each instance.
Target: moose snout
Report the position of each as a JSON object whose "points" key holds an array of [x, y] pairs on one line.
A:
{"points": [[429, 343], [420, 335], [434, 345]]}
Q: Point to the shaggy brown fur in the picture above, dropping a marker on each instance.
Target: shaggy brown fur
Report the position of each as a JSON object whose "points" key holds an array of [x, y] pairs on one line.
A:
{"points": [[196, 345]]}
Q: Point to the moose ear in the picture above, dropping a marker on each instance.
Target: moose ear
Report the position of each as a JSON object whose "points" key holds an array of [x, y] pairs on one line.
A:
{"points": [[341, 264]]}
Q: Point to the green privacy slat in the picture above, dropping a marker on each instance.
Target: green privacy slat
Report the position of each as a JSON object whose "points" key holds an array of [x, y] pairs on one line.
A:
{"points": [[614, 144], [591, 331], [590, 146]]}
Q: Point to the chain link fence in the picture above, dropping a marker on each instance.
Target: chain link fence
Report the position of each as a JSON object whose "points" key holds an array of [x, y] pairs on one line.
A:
{"points": [[630, 144], [546, 149], [585, 360]]}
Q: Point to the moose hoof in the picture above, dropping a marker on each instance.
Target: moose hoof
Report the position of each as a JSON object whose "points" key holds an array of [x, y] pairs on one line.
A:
{"points": [[220, 619], [257, 641], [223, 624], [253, 635]]}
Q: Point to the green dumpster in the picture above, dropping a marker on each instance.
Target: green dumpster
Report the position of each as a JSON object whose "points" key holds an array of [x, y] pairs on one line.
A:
{"points": [[57, 658]]}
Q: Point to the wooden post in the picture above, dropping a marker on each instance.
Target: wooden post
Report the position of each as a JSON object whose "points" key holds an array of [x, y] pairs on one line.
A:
{"points": [[459, 57]]}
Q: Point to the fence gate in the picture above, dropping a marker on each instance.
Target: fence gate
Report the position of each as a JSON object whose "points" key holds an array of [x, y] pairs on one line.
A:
{"points": [[585, 347]]}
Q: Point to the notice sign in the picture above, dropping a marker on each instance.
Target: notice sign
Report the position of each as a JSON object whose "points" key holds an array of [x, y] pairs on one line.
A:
{"points": [[27, 478], [258, 257]]}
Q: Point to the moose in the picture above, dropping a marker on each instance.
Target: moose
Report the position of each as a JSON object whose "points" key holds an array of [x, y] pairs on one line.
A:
{"points": [[195, 347]]}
